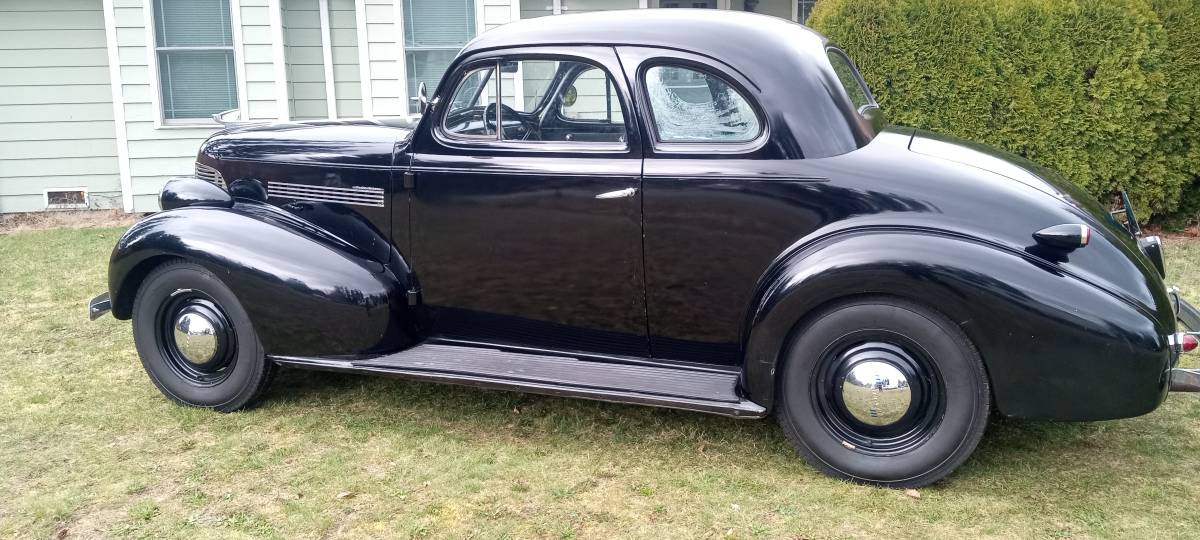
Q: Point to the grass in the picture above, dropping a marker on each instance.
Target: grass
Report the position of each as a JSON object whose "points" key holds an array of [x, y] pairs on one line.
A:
{"points": [[89, 447]]}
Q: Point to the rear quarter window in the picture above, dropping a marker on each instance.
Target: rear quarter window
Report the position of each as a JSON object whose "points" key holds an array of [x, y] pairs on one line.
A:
{"points": [[689, 105], [851, 80]]}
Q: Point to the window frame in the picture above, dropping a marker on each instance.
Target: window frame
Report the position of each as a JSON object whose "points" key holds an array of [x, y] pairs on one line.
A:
{"points": [[862, 83], [151, 17], [493, 78], [459, 72], [699, 147]]}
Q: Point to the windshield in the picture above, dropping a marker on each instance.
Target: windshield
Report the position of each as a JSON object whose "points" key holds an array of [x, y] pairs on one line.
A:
{"points": [[851, 81]]}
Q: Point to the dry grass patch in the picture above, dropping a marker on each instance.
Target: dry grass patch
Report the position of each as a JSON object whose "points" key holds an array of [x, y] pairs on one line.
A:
{"points": [[71, 219]]}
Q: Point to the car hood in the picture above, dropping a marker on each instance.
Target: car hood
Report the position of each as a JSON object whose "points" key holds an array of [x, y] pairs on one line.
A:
{"points": [[344, 142]]}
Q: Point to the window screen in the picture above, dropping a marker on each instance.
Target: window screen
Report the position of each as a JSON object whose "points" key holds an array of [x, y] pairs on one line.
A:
{"points": [[693, 106], [194, 44], [434, 31]]}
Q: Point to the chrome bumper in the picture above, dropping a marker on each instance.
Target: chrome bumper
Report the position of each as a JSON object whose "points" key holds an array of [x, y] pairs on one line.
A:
{"points": [[1184, 379], [98, 306], [1185, 313]]}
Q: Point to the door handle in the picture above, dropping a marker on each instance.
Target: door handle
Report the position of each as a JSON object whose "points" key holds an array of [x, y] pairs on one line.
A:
{"points": [[618, 194]]}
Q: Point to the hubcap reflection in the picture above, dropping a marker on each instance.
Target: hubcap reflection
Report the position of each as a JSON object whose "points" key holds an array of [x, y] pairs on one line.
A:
{"points": [[876, 393], [195, 337]]}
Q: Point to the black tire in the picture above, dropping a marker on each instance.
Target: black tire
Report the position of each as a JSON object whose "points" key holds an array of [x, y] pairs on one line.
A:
{"points": [[238, 373], [948, 405]]}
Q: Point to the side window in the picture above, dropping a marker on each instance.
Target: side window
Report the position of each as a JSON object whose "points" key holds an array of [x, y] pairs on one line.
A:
{"points": [[591, 96], [850, 79], [689, 105], [472, 103], [526, 82], [540, 100]]}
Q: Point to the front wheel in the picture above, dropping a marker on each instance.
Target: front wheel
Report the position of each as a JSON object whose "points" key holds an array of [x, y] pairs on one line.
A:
{"points": [[883, 391], [195, 340]]}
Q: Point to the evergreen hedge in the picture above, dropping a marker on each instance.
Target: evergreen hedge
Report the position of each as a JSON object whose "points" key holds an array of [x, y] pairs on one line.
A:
{"points": [[1105, 91]]}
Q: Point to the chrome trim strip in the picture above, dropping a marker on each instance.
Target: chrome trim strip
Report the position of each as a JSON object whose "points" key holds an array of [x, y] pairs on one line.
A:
{"points": [[281, 192], [359, 195], [210, 174], [329, 164]]}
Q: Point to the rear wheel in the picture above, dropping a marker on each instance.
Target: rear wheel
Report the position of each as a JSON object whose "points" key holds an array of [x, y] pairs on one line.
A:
{"points": [[195, 340], [883, 391]]}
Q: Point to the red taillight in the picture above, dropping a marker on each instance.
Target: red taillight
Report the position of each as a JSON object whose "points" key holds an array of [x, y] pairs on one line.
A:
{"points": [[1188, 343]]}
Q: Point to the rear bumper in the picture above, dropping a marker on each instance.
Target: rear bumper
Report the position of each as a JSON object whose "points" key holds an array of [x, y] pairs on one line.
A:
{"points": [[1185, 313], [98, 306], [1183, 379]]}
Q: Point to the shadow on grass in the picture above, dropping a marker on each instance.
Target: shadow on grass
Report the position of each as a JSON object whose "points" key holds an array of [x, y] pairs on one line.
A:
{"points": [[394, 401], [1012, 452]]}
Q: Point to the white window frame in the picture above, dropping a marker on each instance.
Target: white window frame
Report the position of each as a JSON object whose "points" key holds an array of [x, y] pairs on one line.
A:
{"points": [[406, 99], [152, 48]]}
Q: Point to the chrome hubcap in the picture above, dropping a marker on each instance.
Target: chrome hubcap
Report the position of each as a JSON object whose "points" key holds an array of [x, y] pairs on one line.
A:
{"points": [[195, 337], [876, 393]]}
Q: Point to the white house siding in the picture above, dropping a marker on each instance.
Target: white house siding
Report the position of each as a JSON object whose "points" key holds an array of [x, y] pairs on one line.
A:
{"points": [[343, 35], [56, 113], [258, 57], [302, 36], [80, 104], [155, 154], [495, 13], [385, 64]]}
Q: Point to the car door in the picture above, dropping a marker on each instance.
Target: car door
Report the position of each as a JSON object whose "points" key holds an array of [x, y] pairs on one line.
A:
{"points": [[719, 201], [527, 204]]}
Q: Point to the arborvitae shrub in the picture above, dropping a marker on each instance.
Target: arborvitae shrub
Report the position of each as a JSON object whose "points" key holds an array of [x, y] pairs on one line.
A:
{"points": [[1105, 91]]}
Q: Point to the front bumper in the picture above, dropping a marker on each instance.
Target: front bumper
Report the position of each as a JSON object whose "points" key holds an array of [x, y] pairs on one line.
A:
{"points": [[98, 306]]}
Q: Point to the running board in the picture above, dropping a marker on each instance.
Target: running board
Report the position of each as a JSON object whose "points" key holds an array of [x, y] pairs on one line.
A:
{"points": [[673, 387]]}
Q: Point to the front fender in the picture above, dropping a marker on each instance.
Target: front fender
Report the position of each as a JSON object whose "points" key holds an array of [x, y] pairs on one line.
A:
{"points": [[308, 293], [1054, 345]]}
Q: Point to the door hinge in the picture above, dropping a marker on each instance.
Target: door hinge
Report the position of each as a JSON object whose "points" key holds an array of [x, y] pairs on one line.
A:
{"points": [[410, 180]]}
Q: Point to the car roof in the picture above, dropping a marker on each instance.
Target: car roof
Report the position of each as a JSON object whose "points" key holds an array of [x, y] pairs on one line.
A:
{"points": [[709, 32]]}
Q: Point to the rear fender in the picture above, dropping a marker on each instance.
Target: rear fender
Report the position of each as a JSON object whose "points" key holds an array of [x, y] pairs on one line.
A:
{"points": [[1051, 343], [308, 292]]}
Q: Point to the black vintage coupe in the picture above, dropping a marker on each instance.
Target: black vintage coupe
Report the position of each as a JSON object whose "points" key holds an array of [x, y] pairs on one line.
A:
{"points": [[686, 209]]}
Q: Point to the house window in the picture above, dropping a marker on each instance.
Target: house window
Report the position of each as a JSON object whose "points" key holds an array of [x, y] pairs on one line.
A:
{"points": [[803, 10], [434, 31], [194, 45]]}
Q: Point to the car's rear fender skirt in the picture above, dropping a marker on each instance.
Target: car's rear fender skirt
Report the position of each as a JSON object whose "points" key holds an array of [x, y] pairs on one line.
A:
{"points": [[307, 292], [1054, 346]]}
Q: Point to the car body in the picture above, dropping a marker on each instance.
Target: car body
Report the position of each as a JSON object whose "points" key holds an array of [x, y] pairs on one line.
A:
{"points": [[737, 193]]}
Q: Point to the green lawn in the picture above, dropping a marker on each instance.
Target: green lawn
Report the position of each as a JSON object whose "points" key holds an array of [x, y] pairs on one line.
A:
{"points": [[87, 444]]}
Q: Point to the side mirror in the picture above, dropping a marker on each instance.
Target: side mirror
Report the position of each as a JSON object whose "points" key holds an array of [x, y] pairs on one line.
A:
{"points": [[423, 96]]}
